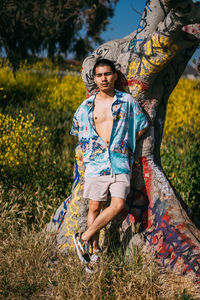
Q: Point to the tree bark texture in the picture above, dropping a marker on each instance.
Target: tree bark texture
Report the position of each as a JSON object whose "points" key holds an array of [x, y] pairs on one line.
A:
{"points": [[150, 62]]}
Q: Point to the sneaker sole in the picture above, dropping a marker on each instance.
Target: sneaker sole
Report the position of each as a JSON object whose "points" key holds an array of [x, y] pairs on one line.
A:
{"points": [[88, 270], [78, 251], [94, 259]]}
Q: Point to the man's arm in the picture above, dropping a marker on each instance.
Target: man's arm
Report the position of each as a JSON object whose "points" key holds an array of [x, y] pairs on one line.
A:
{"points": [[141, 122], [140, 133]]}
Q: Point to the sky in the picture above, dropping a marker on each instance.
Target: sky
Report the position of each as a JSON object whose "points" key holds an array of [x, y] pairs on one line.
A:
{"points": [[125, 20]]}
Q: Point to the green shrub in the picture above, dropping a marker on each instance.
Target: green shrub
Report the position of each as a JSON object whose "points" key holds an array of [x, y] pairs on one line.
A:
{"points": [[180, 160]]}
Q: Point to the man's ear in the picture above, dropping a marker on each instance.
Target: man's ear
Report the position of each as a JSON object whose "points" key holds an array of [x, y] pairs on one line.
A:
{"points": [[115, 76]]}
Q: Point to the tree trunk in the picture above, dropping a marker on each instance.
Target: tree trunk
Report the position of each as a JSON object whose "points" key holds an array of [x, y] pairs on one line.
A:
{"points": [[150, 62]]}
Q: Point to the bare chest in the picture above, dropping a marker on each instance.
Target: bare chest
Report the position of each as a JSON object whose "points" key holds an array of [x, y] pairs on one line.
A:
{"points": [[102, 112]]}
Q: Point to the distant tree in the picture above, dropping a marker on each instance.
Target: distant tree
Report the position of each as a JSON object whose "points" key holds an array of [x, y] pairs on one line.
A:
{"points": [[57, 26]]}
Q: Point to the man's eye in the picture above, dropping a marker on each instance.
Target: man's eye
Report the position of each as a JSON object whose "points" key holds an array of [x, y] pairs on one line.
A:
{"points": [[98, 75]]}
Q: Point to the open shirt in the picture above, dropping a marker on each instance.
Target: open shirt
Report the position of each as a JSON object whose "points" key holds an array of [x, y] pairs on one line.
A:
{"points": [[117, 158]]}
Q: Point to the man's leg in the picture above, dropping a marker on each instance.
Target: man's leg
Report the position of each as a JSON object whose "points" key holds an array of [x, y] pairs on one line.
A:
{"points": [[116, 205], [94, 210]]}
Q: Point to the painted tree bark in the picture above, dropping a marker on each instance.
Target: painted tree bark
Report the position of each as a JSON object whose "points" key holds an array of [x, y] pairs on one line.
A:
{"points": [[150, 62]]}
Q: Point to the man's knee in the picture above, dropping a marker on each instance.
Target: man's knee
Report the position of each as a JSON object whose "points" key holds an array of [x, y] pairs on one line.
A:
{"points": [[118, 204], [94, 206]]}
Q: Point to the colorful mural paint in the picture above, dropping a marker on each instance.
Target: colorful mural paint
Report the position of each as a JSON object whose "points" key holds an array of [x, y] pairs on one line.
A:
{"points": [[156, 52], [171, 244]]}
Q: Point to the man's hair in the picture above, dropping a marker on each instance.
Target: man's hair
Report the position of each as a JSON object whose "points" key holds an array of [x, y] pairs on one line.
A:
{"points": [[104, 62]]}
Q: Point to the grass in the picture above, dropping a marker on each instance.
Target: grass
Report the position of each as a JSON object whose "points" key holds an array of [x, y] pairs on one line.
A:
{"points": [[31, 267]]}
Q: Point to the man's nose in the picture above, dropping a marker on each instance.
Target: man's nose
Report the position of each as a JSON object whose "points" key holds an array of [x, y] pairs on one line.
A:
{"points": [[104, 77]]}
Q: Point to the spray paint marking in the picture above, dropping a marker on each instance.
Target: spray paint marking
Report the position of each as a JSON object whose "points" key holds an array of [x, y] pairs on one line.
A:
{"points": [[72, 222], [137, 208], [170, 243], [77, 174], [62, 213], [141, 27], [136, 86], [156, 53], [138, 200]]}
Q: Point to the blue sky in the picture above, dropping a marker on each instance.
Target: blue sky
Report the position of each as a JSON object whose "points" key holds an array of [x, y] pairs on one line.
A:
{"points": [[126, 20]]}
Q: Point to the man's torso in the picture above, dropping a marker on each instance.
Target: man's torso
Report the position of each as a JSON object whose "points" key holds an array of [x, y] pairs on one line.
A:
{"points": [[123, 120], [103, 119]]}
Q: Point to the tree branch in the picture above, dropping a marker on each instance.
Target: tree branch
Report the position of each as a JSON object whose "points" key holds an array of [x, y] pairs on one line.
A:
{"points": [[135, 10]]}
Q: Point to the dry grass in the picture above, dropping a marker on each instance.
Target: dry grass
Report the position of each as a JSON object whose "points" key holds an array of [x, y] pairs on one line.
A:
{"points": [[32, 268]]}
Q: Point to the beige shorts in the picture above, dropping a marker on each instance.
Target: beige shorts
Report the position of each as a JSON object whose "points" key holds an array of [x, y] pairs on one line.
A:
{"points": [[96, 188]]}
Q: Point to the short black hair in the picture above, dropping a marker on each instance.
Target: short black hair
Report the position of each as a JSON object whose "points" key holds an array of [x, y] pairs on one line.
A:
{"points": [[104, 62]]}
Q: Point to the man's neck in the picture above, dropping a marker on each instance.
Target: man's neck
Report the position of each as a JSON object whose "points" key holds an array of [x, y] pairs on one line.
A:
{"points": [[106, 95]]}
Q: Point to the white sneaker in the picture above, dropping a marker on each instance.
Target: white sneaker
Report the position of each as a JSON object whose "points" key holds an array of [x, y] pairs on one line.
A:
{"points": [[82, 248], [95, 257]]}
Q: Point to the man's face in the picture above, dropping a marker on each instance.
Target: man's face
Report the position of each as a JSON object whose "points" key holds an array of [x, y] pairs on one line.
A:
{"points": [[105, 78]]}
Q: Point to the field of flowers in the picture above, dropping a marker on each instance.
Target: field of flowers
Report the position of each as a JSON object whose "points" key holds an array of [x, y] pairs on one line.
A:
{"points": [[36, 109], [183, 111], [181, 142], [36, 163], [19, 139]]}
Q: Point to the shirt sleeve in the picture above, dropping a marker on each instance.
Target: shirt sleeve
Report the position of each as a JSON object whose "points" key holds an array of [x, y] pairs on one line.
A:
{"points": [[137, 121], [75, 126], [141, 121]]}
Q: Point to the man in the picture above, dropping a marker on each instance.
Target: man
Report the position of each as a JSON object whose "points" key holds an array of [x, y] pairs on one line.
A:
{"points": [[107, 125]]}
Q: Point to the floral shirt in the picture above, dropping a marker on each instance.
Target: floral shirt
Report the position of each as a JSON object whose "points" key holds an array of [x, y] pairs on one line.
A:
{"points": [[117, 158]]}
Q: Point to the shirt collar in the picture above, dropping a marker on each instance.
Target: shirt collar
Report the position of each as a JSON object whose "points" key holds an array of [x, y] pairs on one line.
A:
{"points": [[90, 100]]}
